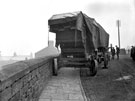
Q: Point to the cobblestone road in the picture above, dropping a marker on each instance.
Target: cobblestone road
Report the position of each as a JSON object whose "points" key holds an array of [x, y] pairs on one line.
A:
{"points": [[117, 83]]}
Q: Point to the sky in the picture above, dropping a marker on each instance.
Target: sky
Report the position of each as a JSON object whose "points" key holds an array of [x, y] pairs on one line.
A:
{"points": [[24, 23]]}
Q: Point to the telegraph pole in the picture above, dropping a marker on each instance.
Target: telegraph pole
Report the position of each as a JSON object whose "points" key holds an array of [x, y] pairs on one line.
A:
{"points": [[118, 24]]}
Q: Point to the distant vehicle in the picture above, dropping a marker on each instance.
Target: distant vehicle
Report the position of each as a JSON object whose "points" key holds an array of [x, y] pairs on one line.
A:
{"points": [[83, 41], [132, 54]]}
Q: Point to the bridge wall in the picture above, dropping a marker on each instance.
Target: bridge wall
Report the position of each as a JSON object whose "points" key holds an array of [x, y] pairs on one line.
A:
{"points": [[25, 80]]}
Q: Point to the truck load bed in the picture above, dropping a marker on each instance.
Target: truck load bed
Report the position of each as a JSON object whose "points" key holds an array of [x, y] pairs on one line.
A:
{"points": [[77, 30]]}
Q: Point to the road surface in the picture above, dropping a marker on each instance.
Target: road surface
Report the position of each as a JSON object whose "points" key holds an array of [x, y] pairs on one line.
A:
{"points": [[117, 83]]}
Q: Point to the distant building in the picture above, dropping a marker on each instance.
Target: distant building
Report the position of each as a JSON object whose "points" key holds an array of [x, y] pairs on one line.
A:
{"points": [[50, 50]]}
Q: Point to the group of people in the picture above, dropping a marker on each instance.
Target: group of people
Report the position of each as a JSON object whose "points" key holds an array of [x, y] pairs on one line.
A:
{"points": [[115, 51]]}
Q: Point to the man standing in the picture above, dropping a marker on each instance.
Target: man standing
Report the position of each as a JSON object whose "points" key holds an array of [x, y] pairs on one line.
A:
{"points": [[117, 51], [132, 54], [113, 52]]}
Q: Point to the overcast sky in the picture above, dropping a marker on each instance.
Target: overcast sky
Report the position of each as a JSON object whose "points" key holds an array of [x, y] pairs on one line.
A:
{"points": [[24, 27]]}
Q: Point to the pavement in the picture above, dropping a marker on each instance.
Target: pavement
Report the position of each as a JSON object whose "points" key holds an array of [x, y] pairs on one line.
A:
{"points": [[64, 87]]}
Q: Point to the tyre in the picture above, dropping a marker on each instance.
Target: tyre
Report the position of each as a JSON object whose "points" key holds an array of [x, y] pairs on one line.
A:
{"points": [[55, 67], [93, 67], [105, 62]]}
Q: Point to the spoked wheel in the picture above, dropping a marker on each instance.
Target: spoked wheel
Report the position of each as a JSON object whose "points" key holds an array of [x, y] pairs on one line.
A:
{"points": [[105, 62], [93, 67]]}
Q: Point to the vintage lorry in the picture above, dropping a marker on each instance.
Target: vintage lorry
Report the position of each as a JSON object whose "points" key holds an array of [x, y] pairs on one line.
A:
{"points": [[83, 41]]}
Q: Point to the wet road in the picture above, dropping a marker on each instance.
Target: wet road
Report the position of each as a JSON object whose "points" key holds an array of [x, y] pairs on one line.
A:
{"points": [[117, 83]]}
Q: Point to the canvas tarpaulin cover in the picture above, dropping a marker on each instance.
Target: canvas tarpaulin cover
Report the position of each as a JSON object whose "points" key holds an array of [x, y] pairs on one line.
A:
{"points": [[93, 34]]}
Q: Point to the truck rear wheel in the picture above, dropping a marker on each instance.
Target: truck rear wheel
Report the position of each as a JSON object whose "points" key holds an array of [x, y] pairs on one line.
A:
{"points": [[93, 67]]}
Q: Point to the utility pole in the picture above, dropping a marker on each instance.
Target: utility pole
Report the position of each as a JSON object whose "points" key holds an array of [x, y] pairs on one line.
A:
{"points": [[118, 24]]}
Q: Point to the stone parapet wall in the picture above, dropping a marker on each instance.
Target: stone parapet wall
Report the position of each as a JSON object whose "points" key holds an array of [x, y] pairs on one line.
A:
{"points": [[25, 80]]}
